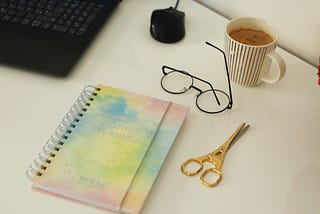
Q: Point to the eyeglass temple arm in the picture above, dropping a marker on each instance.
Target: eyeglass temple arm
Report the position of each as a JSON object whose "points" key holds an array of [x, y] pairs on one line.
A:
{"points": [[227, 70]]}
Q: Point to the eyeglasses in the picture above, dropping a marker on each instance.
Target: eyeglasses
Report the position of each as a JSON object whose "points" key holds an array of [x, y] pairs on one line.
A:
{"points": [[208, 100]]}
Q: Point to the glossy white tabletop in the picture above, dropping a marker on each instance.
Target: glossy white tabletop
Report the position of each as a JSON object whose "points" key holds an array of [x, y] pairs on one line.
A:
{"points": [[273, 168]]}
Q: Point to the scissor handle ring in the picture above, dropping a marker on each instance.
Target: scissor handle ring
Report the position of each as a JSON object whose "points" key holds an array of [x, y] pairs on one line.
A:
{"points": [[187, 172], [211, 170]]}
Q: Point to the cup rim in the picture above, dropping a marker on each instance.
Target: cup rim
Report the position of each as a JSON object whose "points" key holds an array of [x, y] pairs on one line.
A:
{"points": [[275, 38]]}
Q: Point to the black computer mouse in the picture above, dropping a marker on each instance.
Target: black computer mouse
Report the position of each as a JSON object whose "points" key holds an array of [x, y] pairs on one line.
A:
{"points": [[167, 25]]}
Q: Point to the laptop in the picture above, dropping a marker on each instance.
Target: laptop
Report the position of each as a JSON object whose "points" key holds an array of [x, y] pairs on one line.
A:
{"points": [[49, 36]]}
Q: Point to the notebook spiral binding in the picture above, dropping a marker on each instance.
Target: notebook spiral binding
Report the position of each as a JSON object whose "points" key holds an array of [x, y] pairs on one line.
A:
{"points": [[60, 135]]}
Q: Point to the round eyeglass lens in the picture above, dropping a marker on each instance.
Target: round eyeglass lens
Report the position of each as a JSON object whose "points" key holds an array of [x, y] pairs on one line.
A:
{"points": [[207, 102], [176, 82]]}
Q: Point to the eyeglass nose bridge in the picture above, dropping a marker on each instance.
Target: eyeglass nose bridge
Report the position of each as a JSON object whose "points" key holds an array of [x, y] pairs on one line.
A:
{"points": [[201, 91], [196, 88]]}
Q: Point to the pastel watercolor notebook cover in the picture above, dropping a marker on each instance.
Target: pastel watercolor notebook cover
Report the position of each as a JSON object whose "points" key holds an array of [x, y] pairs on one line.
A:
{"points": [[153, 161], [98, 148]]}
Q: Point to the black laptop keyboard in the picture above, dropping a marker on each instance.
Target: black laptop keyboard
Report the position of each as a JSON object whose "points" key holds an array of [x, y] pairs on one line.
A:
{"points": [[68, 16]]}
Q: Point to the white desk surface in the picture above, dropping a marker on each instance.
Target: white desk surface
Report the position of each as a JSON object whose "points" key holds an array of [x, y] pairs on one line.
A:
{"points": [[274, 168]]}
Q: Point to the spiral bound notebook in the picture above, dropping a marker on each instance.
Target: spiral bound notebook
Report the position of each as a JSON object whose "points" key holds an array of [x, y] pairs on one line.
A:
{"points": [[100, 145]]}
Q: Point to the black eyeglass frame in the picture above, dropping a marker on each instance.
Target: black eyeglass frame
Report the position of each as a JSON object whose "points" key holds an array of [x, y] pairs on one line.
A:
{"points": [[230, 104]]}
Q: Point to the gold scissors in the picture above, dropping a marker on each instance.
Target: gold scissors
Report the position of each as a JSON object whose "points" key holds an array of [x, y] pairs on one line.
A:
{"points": [[193, 166]]}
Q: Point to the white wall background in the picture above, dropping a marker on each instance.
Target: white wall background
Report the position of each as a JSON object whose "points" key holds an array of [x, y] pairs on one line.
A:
{"points": [[298, 22]]}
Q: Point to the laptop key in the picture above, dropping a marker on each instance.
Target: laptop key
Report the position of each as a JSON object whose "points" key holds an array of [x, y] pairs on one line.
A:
{"points": [[12, 12], [57, 12], [6, 18], [46, 25], [30, 9], [3, 10], [60, 28], [30, 16], [61, 21], [39, 11], [90, 18], [21, 8], [36, 23], [15, 19], [25, 21], [76, 24], [72, 30], [68, 23], [12, 6], [43, 18], [21, 14], [49, 7], [82, 30], [3, 4]]}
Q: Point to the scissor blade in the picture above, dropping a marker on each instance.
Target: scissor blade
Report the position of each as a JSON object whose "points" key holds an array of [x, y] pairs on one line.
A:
{"points": [[239, 134]]}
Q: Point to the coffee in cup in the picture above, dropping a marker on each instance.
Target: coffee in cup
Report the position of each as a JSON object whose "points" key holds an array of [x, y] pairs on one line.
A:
{"points": [[251, 37]]}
